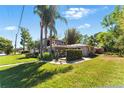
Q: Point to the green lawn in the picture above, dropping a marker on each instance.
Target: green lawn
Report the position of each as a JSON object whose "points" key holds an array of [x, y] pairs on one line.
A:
{"points": [[11, 59], [102, 71]]}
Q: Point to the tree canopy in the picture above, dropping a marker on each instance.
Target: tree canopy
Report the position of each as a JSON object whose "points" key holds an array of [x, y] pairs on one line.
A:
{"points": [[72, 36], [5, 45], [26, 39]]}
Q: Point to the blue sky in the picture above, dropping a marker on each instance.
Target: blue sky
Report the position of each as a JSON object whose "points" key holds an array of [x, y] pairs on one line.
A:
{"points": [[86, 18]]}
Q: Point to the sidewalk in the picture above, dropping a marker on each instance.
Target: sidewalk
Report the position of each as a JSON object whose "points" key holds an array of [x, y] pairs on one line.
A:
{"points": [[16, 64]]}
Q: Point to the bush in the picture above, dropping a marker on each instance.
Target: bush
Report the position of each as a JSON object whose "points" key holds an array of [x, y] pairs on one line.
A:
{"points": [[24, 52], [47, 56], [32, 55], [74, 54]]}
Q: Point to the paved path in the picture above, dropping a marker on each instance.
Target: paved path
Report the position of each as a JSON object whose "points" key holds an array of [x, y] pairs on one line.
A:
{"points": [[16, 64], [63, 61]]}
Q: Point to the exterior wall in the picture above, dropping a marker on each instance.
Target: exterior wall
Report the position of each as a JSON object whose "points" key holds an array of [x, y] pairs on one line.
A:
{"points": [[85, 51]]}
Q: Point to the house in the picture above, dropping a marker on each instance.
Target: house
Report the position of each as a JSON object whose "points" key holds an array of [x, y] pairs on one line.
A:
{"points": [[86, 49], [99, 50], [55, 42], [2, 53]]}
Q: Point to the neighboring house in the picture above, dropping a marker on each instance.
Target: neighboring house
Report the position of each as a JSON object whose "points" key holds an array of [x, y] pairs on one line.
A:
{"points": [[55, 42], [2, 53], [58, 42], [99, 50], [19, 50]]}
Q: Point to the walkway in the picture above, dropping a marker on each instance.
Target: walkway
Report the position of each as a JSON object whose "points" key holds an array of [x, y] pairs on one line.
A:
{"points": [[16, 64], [63, 61]]}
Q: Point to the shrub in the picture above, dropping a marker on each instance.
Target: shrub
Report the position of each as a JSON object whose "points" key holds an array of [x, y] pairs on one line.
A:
{"points": [[73, 54], [32, 55], [24, 52], [47, 56], [36, 54], [40, 56]]}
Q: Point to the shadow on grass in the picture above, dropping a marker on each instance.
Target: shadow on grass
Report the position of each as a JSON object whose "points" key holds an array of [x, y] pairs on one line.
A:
{"points": [[22, 58], [27, 75], [93, 56]]}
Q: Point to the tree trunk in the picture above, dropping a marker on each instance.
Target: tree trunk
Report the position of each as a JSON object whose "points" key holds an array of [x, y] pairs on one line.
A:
{"points": [[45, 43], [24, 47], [41, 38], [51, 41]]}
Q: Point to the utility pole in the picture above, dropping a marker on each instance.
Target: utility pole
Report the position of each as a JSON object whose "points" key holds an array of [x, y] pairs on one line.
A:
{"points": [[19, 28]]}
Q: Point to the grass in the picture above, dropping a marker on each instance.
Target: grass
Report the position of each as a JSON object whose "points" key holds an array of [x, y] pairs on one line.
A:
{"points": [[11, 59], [102, 71]]}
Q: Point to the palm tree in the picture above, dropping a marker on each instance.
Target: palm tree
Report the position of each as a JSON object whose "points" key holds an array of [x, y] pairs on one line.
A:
{"points": [[40, 10], [48, 15], [54, 14]]}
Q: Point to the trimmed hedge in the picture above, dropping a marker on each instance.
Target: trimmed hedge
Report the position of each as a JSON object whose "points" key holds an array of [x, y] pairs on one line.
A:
{"points": [[47, 56], [74, 54]]}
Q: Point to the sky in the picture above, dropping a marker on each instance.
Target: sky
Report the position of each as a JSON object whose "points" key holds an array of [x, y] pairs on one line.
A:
{"points": [[86, 19]]}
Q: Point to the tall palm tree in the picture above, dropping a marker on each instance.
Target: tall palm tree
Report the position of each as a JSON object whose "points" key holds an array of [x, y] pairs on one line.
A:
{"points": [[54, 15], [40, 10], [48, 14]]}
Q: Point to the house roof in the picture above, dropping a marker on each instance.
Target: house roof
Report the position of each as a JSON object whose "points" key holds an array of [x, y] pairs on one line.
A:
{"points": [[71, 46]]}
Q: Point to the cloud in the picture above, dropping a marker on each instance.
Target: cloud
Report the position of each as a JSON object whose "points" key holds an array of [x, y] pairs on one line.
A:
{"points": [[105, 7], [10, 28], [77, 13], [84, 26]]}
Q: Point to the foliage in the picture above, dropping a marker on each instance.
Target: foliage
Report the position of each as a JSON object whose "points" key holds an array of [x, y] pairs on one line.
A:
{"points": [[91, 41], [73, 54], [112, 41], [5, 45], [47, 56], [84, 39], [72, 36], [120, 45], [24, 52], [26, 39], [106, 40], [32, 55]]}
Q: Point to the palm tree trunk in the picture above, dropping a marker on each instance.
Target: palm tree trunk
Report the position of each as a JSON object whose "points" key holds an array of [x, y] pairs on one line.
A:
{"points": [[51, 41], [45, 43], [41, 38]]}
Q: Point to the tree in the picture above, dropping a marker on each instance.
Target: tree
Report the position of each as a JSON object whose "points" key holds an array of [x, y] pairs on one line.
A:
{"points": [[120, 45], [40, 10], [106, 40], [48, 15], [37, 45], [91, 41], [6, 45], [54, 15], [114, 22], [109, 22], [72, 36], [84, 39], [26, 39]]}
